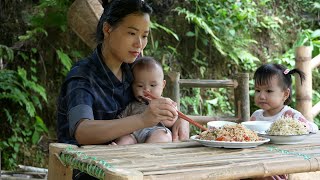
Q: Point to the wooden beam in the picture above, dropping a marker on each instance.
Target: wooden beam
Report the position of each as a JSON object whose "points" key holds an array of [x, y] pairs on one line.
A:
{"points": [[315, 62], [207, 83], [315, 110]]}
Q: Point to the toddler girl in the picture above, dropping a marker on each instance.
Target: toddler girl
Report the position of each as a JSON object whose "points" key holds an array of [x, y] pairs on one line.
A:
{"points": [[273, 93]]}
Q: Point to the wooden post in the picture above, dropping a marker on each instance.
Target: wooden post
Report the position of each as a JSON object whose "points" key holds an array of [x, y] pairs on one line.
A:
{"points": [[57, 170], [304, 92], [173, 87], [242, 100]]}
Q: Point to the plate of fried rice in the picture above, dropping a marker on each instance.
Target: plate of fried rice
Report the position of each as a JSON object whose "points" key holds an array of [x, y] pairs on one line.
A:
{"points": [[230, 136]]}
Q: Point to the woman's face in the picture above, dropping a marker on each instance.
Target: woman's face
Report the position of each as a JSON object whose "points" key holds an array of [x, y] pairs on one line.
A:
{"points": [[126, 41]]}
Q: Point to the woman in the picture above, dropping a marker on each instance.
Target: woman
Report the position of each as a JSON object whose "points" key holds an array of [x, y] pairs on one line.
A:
{"points": [[98, 88]]}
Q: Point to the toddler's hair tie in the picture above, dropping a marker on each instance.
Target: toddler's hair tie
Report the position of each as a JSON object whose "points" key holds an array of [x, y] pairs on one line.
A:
{"points": [[285, 72]]}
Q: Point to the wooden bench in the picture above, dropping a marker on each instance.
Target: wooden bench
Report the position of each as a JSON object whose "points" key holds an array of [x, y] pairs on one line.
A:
{"points": [[186, 160]]}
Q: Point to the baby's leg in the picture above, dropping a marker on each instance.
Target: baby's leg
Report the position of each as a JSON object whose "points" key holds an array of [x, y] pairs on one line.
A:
{"points": [[159, 136], [125, 140]]}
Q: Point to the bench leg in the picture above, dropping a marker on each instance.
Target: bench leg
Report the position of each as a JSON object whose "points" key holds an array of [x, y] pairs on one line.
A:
{"points": [[57, 170]]}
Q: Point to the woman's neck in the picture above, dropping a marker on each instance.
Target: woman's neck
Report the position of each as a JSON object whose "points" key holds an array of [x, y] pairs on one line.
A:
{"points": [[113, 65]]}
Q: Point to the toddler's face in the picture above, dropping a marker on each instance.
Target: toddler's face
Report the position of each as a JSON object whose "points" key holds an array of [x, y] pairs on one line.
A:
{"points": [[270, 97], [150, 80]]}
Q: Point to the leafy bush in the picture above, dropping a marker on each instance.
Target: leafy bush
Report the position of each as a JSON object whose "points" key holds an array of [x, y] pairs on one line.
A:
{"points": [[21, 96]]}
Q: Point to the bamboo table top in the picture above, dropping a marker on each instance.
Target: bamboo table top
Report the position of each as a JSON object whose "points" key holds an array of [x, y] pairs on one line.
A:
{"points": [[191, 160]]}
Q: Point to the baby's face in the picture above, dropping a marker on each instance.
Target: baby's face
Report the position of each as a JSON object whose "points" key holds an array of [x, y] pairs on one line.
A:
{"points": [[150, 80]]}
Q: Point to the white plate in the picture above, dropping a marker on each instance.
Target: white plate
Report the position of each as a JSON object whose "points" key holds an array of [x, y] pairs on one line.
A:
{"points": [[285, 139], [227, 144]]}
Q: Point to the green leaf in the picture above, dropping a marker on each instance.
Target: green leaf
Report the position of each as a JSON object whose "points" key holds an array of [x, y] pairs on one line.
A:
{"points": [[65, 60], [212, 101], [9, 117], [315, 34], [34, 50], [190, 34], [167, 30], [35, 137], [16, 147], [39, 123], [232, 32]]}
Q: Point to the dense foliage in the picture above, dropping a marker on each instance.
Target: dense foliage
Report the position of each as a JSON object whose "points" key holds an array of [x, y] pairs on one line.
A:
{"points": [[198, 38]]}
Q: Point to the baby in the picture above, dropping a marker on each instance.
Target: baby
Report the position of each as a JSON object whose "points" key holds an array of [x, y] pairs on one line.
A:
{"points": [[148, 75]]}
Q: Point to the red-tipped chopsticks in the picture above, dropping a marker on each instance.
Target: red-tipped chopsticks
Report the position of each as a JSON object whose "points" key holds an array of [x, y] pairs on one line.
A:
{"points": [[181, 115]]}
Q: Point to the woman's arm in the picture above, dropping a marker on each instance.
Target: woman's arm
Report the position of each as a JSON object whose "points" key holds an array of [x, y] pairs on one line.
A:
{"points": [[99, 131], [102, 131]]}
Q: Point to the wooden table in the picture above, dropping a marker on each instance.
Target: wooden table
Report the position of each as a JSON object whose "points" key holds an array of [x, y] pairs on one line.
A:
{"points": [[184, 160]]}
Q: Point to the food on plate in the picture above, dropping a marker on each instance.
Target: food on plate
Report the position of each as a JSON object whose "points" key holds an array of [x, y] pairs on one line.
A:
{"points": [[236, 132], [287, 126]]}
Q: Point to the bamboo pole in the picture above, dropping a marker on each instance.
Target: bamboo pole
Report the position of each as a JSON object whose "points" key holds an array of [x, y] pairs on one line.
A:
{"points": [[304, 92], [173, 84], [242, 100]]}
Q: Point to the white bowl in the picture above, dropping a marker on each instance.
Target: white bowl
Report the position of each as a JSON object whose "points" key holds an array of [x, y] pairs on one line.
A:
{"points": [[218, 124], [258, 126]]}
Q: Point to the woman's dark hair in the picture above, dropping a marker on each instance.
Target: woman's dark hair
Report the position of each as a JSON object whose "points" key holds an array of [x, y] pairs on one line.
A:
{"points": [[266, 72], [115, 10]]}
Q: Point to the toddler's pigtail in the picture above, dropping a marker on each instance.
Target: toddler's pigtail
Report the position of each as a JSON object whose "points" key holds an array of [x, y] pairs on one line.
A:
{"points": [[300, 73]]}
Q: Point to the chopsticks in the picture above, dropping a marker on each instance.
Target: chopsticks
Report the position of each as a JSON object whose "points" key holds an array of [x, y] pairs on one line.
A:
{"points": [[180, 114]]}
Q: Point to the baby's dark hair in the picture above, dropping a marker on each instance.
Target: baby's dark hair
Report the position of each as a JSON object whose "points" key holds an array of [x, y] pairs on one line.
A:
{"points": [[145, 62], [266, 72], [115, 10]]}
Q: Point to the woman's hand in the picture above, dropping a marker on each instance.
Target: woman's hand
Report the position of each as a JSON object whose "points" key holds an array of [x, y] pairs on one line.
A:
{"points": [[180, 130], [161, 109]]}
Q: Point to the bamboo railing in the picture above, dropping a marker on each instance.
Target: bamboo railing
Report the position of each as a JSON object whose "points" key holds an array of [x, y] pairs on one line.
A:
{"points": [[241, 94], [305, 63]]}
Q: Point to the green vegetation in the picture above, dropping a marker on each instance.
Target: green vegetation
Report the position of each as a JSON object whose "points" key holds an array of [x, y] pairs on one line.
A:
{"points": [[198, 38]]}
